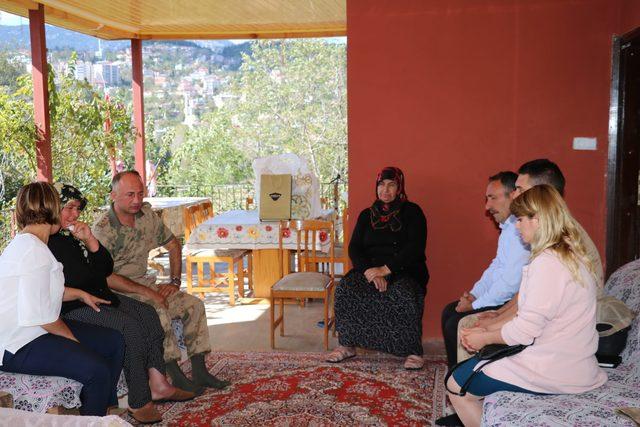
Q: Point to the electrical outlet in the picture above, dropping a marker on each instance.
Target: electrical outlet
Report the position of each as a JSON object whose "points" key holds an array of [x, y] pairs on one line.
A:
{"points": [[582, 143]]}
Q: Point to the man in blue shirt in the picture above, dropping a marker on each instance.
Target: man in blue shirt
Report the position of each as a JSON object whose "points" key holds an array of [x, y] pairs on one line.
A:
{"points": [[501, 280]]}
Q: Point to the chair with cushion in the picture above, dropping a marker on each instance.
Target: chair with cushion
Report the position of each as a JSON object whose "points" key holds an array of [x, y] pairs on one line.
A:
{"points": [[341, 252], [303, 283], [216, 282]]}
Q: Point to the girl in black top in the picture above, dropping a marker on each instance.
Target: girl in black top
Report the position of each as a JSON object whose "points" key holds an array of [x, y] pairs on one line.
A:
{"points": [[379, 303], [87, 264]]}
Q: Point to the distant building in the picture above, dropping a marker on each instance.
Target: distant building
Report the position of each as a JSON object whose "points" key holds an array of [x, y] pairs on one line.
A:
{"points": [[190, 119], [160, 80], [106, 74], [84, 71], [210, 84]]}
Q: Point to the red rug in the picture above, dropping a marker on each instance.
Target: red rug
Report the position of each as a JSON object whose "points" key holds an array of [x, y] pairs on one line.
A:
{"points": [[300, 389]]}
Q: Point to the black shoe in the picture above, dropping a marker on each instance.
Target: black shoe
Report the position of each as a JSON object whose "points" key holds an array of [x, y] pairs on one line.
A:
{"points": [[449, 420]]}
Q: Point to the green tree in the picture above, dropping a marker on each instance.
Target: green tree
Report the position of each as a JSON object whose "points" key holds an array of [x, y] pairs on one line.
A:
{"points": [[210, 155], [11, 70], [292, 97], [81, 148], [288, 96]]}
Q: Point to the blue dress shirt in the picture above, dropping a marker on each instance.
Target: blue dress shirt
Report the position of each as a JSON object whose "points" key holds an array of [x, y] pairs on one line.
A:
{"points": [[500, 282]]}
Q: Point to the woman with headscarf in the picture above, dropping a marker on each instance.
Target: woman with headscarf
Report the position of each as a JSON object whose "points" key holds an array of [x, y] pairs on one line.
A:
{"points": [[34, 339], [379, 303], [87, 264]]}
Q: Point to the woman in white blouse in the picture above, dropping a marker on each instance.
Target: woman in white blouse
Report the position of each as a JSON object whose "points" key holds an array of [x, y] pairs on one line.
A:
{"points": [[33, 338], [556, 315]]}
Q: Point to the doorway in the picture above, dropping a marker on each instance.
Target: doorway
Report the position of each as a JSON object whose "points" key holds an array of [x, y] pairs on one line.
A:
{"points": [[623, 210]]}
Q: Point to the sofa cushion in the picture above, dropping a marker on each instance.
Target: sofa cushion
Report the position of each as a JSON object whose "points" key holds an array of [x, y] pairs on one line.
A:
{"points": [[624, 284], [594, 408]]}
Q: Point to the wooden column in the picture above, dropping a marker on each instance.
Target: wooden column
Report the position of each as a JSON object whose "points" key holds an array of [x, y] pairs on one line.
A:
{"points": [[138, 105], [40, 74]]}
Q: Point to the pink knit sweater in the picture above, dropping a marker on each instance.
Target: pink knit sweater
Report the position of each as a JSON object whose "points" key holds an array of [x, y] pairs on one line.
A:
{"points": [[560, 314]]}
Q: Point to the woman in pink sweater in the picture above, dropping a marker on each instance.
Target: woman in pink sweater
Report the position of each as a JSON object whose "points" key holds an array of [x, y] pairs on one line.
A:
{"points": [[556, 315]]}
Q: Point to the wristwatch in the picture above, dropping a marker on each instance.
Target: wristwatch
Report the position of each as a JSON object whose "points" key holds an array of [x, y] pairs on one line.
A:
{"points": [[176, 281]]}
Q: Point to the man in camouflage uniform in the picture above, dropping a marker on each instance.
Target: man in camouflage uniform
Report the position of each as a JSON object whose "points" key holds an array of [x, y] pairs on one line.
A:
{"points": [[129, 230]]}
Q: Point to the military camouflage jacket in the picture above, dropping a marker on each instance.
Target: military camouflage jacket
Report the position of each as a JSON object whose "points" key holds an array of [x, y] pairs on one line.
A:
{"points": [[129, 246]]}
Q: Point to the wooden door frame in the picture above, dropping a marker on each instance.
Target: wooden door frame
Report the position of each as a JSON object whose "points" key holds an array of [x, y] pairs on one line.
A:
{"points": [[616, 117]]}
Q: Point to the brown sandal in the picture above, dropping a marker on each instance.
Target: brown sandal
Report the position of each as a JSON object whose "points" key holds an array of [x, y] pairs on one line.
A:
{"points": [[341, 353], [413, 362]]}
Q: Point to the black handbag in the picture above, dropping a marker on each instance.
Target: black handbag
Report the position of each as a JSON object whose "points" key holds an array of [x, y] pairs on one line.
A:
{"points": [[489, 353]]}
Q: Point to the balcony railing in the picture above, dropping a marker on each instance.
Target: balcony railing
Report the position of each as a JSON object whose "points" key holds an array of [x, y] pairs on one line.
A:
{"points": [[234, 196], [223, 197]]}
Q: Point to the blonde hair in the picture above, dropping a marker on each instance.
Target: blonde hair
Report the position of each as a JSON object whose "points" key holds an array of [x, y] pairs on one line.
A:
{"points": [[37, 203], [557, 228]]}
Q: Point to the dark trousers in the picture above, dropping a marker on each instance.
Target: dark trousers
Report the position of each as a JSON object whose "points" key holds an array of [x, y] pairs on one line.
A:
{"points": [[450, 319], [95, 362], [143, 336]]}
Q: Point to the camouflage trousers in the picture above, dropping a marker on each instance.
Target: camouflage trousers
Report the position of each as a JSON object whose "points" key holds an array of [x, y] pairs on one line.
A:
{"points": [[465, 322], [190, 310]]}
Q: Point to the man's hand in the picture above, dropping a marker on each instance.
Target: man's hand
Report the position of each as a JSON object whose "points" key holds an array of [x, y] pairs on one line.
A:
{"points": [[380, 283], [464, 304], [92, 301], [373, 272], [167, 290], [157, 297]]}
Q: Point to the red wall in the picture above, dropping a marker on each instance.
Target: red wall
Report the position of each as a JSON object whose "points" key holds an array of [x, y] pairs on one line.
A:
{"points": [[630, 15], [453, 91]]}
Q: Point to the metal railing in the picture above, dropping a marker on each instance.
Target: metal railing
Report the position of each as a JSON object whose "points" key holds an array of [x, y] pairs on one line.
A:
{"points": [[223, 197], [234, 196]]}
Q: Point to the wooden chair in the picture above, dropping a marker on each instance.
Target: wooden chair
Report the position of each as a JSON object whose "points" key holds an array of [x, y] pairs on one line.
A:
{"points": [[206, 210], [341, 252], [217, 282], [302, 283], [248, 203]]}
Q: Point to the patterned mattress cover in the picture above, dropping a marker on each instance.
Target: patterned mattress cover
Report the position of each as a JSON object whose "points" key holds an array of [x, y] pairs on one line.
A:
{"points": [[37, 393], [595, 408]]}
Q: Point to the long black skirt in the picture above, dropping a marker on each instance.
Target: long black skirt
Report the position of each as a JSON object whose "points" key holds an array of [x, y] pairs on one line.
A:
{"points": [[389, 321]]}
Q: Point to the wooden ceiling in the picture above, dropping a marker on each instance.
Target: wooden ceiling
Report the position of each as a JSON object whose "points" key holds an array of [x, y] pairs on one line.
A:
{"points": [[191, 19]]}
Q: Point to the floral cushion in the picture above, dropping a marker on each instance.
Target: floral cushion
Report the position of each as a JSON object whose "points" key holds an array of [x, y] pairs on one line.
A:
{"points": [[595, 408], [38, 393]]}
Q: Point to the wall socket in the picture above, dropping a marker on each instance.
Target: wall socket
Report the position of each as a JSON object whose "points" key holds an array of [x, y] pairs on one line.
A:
{"points": [[583, 143]]}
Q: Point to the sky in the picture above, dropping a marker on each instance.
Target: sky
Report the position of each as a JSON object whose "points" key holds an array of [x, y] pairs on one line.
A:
{"points": [[9, 19]]}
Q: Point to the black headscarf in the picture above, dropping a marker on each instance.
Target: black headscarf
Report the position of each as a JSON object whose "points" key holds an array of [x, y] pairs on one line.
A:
{"points": [[69, 192], [383, 214]]}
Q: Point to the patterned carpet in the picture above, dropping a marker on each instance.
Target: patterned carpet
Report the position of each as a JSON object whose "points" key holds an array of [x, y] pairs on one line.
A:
{"points": [[300, 389]]}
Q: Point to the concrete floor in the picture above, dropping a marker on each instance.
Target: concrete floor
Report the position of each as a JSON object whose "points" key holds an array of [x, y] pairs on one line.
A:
{"points": [[245, 327]]}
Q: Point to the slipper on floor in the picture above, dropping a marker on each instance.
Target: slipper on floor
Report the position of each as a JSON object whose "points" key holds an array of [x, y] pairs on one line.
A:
{"points": [[339, 354], [148, 415], [413, 363]]}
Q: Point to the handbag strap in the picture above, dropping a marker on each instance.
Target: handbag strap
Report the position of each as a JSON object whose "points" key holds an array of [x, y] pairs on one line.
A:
{"points": [[506, 352]]}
